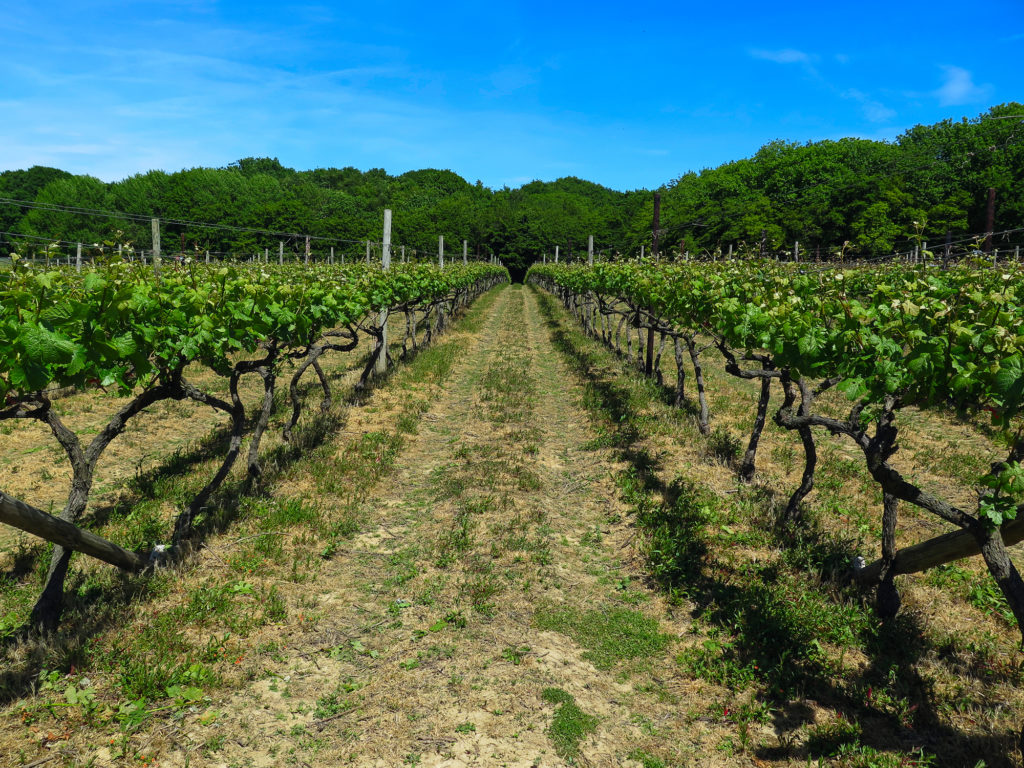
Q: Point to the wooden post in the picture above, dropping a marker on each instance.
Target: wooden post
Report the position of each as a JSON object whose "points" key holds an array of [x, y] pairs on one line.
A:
{"points": [[730, 251], [155, 225], [78, 258], [556, 254], [440, 251], [403, 254], [307, 249], [948, 249], [332, 255], [381, 366], [266, 255], [590, 250], [796, 251], [464, 251], [641, 251], [207, 257]]}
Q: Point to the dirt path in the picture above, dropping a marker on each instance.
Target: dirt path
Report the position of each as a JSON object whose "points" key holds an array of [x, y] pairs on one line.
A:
{"points": [[487, 617]]}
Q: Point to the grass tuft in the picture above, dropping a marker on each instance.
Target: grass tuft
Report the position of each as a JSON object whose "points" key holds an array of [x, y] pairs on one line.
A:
{"points": [[570, 725], [610, 634]]}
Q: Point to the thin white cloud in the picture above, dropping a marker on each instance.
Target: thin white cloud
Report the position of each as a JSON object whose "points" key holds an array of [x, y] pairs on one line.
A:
{"points": [[874, 111], [784, 56], [959, 88]]}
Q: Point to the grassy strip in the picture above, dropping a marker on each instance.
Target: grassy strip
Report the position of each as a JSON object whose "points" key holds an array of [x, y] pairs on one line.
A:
{"points": [[485, 477], [770, 625]]}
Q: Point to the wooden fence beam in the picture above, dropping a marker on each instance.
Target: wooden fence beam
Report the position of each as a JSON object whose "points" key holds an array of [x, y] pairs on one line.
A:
{"points": [[951, 546], [27, 518]]}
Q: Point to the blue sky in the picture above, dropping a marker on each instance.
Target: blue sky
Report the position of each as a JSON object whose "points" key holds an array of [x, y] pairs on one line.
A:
{"points": [[630, 95]]}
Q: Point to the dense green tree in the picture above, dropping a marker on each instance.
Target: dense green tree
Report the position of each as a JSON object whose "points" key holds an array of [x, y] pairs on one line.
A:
{"points": [[23, 185], [868, 197], [62, 225]]}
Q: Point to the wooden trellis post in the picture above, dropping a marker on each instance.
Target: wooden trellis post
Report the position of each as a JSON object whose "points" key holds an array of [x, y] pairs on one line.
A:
{"points": [[381, 366]]}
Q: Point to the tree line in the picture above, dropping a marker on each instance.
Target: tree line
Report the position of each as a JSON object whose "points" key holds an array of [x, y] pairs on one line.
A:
{"points": [[851, 195]]}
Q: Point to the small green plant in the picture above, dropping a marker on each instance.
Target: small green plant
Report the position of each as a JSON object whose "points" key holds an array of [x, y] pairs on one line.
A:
{"points": [[723, 446], [330, 705], [84, 697], [986, 596], [132, 714], [825, 739], [646, 759], [184, 695], [515, 654], [570, 724]]}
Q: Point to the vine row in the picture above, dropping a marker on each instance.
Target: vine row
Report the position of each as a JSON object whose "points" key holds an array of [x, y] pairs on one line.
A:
{"points": [[120, 328], [890, 337]]}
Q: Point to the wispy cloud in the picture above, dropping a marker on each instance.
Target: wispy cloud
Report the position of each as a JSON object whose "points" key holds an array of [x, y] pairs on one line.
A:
{"points": [[806, 61], [784, 56], [959, 88], [874, 111]]}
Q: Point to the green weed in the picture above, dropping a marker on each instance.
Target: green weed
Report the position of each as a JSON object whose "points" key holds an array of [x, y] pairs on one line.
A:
{"points": [[570, 725]]}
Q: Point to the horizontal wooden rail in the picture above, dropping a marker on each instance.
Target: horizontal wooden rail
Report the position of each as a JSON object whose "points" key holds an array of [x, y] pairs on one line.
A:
{"points": [[27, 518], [938, 551]]}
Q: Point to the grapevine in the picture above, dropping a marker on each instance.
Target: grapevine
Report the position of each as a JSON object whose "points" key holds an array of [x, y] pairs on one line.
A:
{"points": [[890, 337], [121, 328]]}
